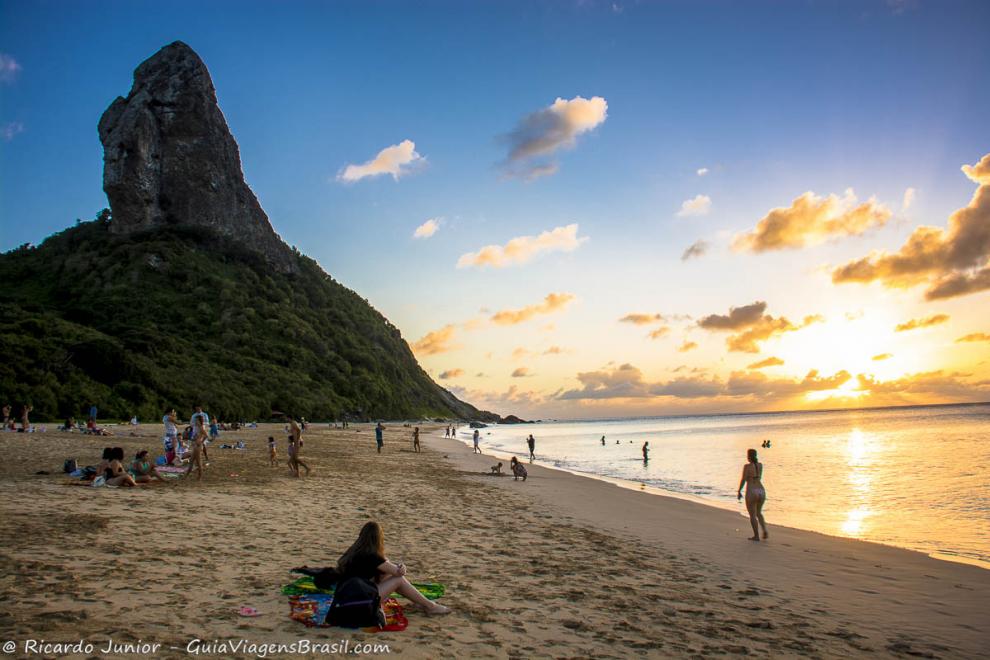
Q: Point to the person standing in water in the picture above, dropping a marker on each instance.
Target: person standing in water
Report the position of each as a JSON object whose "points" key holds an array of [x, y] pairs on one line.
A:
{"points": [[477, 440], [603, 441], [756, 494], [531, 441], [646, 452]]}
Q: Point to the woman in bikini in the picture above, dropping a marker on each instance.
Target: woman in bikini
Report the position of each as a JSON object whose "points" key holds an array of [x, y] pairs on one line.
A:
{"points": [[143, 469], [295, 446], [756, 494], [114, 472], [196, 459]]}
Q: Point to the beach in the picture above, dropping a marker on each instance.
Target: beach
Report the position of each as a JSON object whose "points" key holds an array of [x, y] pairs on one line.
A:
{"points": [[557, 566]]}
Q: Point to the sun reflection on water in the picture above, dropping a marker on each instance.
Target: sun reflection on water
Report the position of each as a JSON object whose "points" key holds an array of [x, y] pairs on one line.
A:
{"points": [[861, 450]]}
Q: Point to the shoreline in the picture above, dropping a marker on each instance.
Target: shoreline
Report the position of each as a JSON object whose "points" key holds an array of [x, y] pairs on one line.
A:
{"points": [[656, 491]]}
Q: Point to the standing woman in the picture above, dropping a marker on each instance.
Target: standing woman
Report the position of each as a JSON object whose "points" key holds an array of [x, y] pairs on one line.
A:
{"points": [[295, 438], [756, 494], [199, 437]]}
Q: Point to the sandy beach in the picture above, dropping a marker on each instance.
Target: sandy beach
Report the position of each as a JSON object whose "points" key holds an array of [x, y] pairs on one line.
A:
{"points": [[558, 566]]}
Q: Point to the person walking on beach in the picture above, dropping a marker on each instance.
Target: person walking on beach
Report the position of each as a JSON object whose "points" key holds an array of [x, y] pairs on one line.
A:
{"points": [[416, 447], [295, 447], [531, 442], [200, 415], [646, 452], [272, 452], [196, 459], [380, 436], [446, 433], [477, 439], [756, 494]]}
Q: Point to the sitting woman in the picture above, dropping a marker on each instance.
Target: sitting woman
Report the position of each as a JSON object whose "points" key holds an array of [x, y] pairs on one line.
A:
{"points": [[518, 469], [114, 472], [366, 559], [144, 470]]}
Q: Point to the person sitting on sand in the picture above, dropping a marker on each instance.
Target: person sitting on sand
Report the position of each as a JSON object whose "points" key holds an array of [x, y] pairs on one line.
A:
{"points": [[497, 469], [272, 452], [366, 559], [144, 470], [518, 469], [114, 472], [756, 494], [196, 459], [416, 447]]}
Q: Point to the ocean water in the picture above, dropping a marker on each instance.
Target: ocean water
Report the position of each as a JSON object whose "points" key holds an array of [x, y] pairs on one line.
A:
{"points": [[915, 477]]}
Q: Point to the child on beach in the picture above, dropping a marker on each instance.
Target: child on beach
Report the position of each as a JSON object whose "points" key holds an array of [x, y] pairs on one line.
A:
{"points": [[416, 447], [518, 469], [272, 452]]}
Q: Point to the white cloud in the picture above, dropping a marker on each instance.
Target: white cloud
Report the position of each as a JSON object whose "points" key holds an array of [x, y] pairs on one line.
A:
{"points": [[396, 160], [540, 134], [521, 249], [908, 200], [699, 205], [702, 171], [9, 68], [427, 229], [11, 129]]}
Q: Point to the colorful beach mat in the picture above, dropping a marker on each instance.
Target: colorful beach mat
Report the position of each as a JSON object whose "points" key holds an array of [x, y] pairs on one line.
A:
{"points": [[305, 586], [311, 610]]}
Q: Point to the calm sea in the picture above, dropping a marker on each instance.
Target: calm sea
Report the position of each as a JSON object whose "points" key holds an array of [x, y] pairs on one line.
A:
{"points": [[914, 477]]}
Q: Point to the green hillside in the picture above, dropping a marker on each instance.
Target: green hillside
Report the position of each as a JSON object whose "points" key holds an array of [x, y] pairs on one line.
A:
{"points": [[170, 317]]}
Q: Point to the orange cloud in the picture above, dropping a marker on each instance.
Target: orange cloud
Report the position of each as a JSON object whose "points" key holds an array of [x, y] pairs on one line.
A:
{"points": [[769, 362], [438, 341], [811, 219], [952, 262], [521, 372], [395, 160], [882, 357], [451, 373], [659, 332], [926, 322], [519, 352], [976, 336], [553, 350], [552, 303], [641, 319], [521, 249], [752, 326], [687, 346]]}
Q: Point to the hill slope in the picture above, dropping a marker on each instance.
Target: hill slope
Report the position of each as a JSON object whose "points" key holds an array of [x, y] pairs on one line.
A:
{"points": [[141, 322]]}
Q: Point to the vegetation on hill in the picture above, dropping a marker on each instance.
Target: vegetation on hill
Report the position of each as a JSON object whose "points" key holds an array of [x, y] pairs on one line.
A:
{"points": [[139, 323]]}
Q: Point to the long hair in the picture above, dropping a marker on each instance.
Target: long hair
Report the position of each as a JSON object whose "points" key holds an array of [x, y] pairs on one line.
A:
{"points": [[751, 456], [370, 541]]}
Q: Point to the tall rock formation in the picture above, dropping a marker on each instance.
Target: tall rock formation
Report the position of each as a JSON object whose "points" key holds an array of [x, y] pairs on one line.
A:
{"points": [[169, 158]]}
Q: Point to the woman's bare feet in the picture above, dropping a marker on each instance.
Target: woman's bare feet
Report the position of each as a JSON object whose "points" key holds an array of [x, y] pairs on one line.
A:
{"points": [[766, 535], [437, 609], [753, 538]]}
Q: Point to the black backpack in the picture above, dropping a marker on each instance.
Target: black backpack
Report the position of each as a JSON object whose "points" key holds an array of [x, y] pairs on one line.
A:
{"points": [[70, 466], [356, 604]]}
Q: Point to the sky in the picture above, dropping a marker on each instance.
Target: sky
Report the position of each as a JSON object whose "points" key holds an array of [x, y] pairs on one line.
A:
{"points": [[582, 209]]}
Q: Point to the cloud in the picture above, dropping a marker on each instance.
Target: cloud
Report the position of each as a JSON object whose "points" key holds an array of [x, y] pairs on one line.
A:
{"points": [[752, 326], [626, 382], [976, 336], [539, 135], [687, 346], [438, 341], [641, 319], [552, 303], [10, 130], [554, 350], [702, 171], [769, 362], [521, 249], [908, 200], [9, 68], [882, 357], [929, 382], [521, 372], [738, 317], [427, 229], [660, 332], [926, 322], [696, 249], [451, 373], [396, 160], [698, 205], [520, 352], [954, 261], [811, 219]]}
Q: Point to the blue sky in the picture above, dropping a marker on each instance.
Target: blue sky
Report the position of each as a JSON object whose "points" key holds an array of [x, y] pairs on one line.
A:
{"points": [[775, 99]]}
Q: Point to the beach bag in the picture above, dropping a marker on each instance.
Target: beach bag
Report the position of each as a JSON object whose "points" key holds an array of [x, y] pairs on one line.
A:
{"points": [[69, 466], [356, 604]]}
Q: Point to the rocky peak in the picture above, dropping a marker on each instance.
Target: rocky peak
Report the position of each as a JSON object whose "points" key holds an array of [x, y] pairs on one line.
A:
{"points": [[170, 159]]}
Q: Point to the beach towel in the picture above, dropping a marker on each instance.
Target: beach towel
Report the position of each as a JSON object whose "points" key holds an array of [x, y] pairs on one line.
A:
{"points": [[305, 586], [311, 610]]}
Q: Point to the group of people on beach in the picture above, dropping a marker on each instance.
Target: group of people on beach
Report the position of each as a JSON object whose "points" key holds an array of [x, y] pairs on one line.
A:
{"points": [[112, 472], [10, 423]]}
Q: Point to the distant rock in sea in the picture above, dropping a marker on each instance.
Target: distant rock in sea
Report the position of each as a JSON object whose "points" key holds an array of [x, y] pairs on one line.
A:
{"points": [[170, 159]]}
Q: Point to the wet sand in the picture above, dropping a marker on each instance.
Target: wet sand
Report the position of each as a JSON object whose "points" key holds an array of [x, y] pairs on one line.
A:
{"points": [[560, 565]]}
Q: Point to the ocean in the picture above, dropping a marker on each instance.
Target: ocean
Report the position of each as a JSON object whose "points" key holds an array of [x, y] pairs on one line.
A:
{"points": [[914, 477]]}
